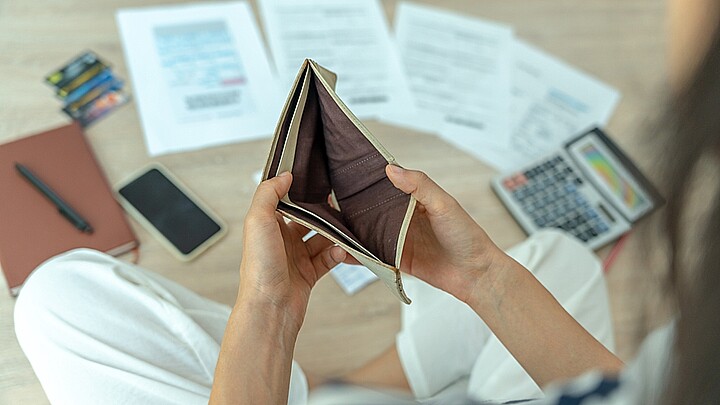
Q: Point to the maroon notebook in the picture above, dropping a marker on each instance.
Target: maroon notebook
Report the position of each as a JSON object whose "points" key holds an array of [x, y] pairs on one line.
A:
{"points": [[31, 228]]}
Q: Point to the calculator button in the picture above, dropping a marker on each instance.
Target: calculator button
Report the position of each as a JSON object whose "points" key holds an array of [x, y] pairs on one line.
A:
{"points": [[548, 194]]}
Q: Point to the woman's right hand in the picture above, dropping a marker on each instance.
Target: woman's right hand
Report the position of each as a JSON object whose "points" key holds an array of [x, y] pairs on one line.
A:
{"points": [[444, 247], [447, 249]]}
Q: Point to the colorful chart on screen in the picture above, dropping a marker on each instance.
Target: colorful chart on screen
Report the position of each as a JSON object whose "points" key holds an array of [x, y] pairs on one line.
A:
{"points": [[611, 177]]}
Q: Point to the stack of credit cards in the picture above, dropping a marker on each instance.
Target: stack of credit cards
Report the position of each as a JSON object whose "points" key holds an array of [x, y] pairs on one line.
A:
{"points": [[88, 88]]}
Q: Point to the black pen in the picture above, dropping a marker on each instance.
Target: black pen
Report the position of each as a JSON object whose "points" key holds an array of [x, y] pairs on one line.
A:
{"points": [[64, 208]]}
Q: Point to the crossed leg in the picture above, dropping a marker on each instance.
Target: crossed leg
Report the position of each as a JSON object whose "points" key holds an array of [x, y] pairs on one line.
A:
{"points": [[445, 347], [99, 330]]}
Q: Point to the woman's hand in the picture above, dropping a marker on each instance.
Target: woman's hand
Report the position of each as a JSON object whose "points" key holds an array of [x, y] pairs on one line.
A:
{"points": [[444, 247], [278, 271], [447, 249], [277, 266]]}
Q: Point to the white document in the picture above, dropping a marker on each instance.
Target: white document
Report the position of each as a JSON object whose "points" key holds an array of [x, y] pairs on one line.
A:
{"points": [[551, 103], [458, 70], [349, 37], [352, 278], [200, 74]]}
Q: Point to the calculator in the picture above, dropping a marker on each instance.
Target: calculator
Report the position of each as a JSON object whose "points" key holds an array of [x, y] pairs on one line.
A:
{"points": [[589, 188]]}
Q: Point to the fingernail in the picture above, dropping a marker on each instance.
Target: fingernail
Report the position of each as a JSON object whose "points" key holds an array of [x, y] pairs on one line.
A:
{"points": [[284, 174], [338, 254], [395, 169]]}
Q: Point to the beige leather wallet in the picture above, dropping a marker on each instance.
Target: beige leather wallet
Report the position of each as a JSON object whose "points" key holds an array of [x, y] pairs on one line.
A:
{"points": [[331, 153]]}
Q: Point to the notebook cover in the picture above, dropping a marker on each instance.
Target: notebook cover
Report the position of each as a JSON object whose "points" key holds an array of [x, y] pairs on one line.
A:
{"points": [[328, 150], [32, 229]]}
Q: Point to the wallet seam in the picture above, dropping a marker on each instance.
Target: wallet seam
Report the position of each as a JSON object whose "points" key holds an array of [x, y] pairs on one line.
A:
{"points": [[402, 238], [358, 163], [364, 210]]}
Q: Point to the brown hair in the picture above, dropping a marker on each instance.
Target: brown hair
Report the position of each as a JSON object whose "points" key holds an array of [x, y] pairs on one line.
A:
{"points": [[692, 126]]}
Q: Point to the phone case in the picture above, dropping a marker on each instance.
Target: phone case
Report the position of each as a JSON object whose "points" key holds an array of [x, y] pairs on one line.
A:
{"points": [[139, 217]]}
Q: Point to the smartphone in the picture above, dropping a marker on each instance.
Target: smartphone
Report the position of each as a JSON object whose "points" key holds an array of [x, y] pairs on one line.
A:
{"points": [[170, 212]]}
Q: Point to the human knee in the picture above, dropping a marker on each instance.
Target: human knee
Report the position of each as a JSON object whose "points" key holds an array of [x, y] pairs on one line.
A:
{"points": [[561, 263], [58, 279], [573, 251], [566, 251]]}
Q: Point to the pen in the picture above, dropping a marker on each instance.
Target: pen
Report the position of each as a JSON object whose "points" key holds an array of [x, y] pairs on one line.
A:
{"points": [[64, 208]]}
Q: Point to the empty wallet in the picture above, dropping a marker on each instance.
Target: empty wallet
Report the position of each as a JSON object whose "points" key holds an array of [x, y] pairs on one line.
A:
{"points": [[332, 155]]}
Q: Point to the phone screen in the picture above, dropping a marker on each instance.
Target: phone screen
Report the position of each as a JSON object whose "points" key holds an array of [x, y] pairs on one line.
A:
{"points": [[170, 211]]}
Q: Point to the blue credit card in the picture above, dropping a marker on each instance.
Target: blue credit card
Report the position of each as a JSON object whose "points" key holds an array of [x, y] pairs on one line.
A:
{"points": [[107, 85], [98, 107], [100, 78]]}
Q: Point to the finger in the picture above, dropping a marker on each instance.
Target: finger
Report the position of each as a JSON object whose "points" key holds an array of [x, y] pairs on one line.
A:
{"points": [[351, 260], [295, 227], [279, 217], [299, 229], [327, 259], [268, 194], [331, 202], [433, 198], [317, 243], [284, 228]]}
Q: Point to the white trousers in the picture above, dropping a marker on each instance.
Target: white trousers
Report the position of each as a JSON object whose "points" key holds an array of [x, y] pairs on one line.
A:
{"points": [[101, 331], [98, 330], [445, 346]]}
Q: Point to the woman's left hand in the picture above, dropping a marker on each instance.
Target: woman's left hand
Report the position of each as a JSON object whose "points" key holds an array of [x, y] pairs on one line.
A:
{"points": [[277, 266], [277, 272]]}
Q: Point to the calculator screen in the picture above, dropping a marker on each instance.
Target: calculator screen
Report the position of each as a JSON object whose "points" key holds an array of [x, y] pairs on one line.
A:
{"points": [[613, 180]]}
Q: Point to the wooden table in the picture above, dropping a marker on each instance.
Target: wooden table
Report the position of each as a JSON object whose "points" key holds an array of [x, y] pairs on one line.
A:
{"points": [[620, 42]]}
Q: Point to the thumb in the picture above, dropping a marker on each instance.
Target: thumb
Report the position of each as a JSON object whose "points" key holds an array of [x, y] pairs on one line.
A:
{"points": [[327, 259], [436, 201], [269, 193]]}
